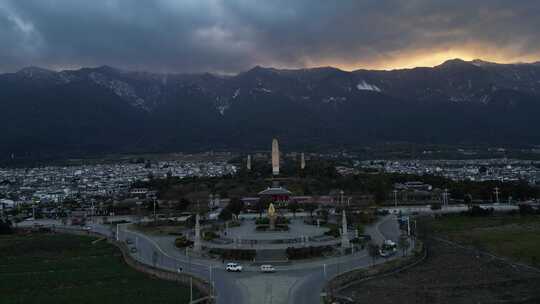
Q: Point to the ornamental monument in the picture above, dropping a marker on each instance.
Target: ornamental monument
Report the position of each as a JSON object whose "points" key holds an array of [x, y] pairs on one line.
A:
{"points": [[272, 216], [275, 157], [345, 243]]}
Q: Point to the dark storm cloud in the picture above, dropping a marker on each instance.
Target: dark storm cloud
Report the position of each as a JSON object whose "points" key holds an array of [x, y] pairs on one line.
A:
{"points": [[228, 36]]}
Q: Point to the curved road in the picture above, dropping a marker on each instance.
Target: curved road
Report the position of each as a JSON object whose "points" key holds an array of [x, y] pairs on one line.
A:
{"points": [[298, 283]]}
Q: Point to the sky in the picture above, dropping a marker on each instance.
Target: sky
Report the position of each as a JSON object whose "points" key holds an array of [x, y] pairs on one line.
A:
{"points": [[231, 36]]}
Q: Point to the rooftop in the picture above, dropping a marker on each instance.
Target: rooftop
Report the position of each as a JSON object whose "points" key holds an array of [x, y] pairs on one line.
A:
{"points": [[275, 191]]}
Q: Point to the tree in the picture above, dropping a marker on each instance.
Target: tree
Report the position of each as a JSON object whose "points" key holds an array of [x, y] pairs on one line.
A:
{"points": [[373, 250], [235, 206], [468, 201], [5, 227], [293, 207], [324, 215], [225, 214], [310, 207], [360, 228], [262, 205], [155, 257], [404, 244]]}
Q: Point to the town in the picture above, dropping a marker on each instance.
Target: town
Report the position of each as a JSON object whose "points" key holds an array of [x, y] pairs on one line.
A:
{"points": [[87, 183], [499, 169]]}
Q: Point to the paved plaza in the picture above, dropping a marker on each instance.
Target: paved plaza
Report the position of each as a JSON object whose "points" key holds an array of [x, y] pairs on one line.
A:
{"points": [[297, 230]]}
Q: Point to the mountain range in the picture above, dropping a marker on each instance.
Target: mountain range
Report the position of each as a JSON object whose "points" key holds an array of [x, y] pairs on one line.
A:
{"points": [[104, 109]]}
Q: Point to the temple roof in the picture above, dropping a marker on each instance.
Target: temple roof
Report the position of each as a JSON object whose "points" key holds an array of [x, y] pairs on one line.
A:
{"points": [[275, 191]]}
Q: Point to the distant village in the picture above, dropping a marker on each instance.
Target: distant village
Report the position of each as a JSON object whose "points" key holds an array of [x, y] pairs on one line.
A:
{"points": [[83, 184], [102, 189], [479, 170]]}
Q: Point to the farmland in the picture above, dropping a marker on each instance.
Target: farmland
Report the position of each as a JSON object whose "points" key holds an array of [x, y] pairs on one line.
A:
{"points": [[57, 268]]}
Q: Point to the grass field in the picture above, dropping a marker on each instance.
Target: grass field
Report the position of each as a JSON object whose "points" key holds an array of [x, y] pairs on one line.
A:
{"points": [[513, 236], [47, 268]]}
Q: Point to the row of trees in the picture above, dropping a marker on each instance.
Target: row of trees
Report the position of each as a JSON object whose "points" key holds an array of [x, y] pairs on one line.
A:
{"points": [[307, 252], [234, 254], [320, 178], [236, 206], [5, 227]]}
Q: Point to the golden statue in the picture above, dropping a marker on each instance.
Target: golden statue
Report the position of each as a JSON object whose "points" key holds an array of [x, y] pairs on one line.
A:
{"points": [[272, 216], [271, 210]]}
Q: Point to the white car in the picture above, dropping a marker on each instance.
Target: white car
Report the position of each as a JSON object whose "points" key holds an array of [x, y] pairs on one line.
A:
{"points": [[234, 267], [87, 228], [267, 268]]}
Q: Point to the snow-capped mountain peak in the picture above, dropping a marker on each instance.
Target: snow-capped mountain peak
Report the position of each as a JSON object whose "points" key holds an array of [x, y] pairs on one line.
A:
{"points": [[364, 86]]}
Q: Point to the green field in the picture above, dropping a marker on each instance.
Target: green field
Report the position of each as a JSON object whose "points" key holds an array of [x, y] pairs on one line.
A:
{"points": [[513, 236], [47, 268]]}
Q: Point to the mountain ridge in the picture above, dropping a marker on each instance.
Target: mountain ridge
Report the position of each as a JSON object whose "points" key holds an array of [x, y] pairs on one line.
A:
{"points": [[109, 109], [110, 67]]}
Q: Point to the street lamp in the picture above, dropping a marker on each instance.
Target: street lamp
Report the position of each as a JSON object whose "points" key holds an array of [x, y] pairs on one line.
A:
{"points": [[92, 213], [155, 217], [139, 203], [212, 284], [190, 289]]}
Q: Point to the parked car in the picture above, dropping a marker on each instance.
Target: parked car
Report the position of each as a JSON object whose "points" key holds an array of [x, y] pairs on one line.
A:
{"points": [[133, 250], [366, 237], [129, 241], [87, 228], [388, 248], [267, 268], [234, 267]]}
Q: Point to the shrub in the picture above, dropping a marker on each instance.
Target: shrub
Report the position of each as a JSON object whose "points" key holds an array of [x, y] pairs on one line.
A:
{"points": [[307, 252], [479, 211], [209, 235], [266, 221], [234, 254], [436, 207], [334, 231], [5, 227], [279, 227], [525, 209], [182, 242]]}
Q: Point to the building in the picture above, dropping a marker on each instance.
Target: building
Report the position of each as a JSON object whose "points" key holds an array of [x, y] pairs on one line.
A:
{"points": [[419, 186], [275, 193]]}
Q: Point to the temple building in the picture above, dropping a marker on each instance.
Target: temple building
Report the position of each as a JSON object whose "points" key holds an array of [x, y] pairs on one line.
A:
{"points": [[276, 193]]}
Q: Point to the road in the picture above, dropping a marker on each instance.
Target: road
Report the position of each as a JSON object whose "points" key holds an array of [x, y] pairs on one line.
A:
{"points": [[304, 291], [298, 283]]}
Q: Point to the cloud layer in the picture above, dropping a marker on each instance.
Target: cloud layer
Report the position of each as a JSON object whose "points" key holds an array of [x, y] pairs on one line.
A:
{"points": [[234, 35]]}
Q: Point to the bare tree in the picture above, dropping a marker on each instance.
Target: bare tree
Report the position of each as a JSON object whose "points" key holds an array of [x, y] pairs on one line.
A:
{"points": [[373, 251], [404, 244]]}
